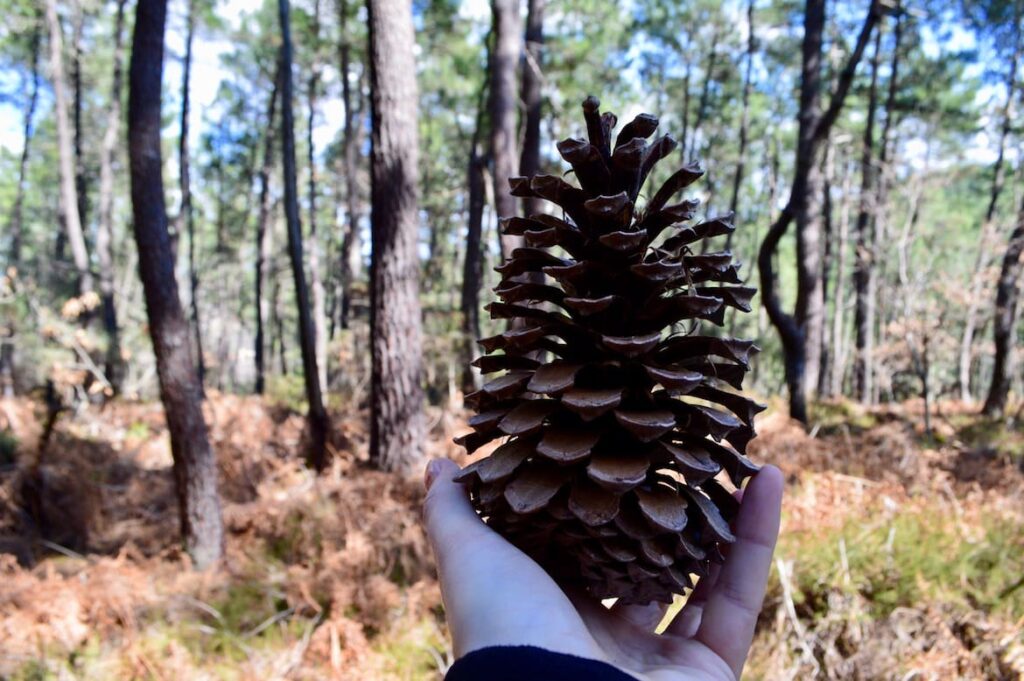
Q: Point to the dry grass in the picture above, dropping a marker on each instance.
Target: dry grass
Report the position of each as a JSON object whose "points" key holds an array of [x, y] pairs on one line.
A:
{"points": [[899, 557]]}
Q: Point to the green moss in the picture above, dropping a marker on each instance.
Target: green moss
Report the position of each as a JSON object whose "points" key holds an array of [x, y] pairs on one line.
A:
{"points": [[834, 416], [138, 431], [994, 434], [915, 558], [287, 391]]}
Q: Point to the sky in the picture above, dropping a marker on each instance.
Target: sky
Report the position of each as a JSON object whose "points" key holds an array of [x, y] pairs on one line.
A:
{"points": [[207, 74]]}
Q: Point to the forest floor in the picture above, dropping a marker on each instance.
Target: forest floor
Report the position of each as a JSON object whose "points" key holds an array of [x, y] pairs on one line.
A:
{"points": [[901, 556]]}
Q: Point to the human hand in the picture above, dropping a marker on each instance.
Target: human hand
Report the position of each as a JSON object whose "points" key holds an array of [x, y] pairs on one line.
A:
{"points": [[495, 595]]}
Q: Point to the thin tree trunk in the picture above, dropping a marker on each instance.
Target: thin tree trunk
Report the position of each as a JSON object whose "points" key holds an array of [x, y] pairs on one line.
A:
{"points": [[15, 225], [981, 262], [77, 38], [316, 281], [397, 425], [825, 356], [264, 231], [350, 143], [504, 59], [684, 133], [195, 468], [705, 90], [801, 332], [114, 368], [863, 274], [317, 415], [1004, 319], [737, 178], [66, 152], [185, 212], [839, 349], [473, 269], [529, 161]]}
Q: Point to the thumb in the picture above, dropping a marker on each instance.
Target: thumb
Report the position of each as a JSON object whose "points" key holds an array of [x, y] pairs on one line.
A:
{"points": [[447, 511]]}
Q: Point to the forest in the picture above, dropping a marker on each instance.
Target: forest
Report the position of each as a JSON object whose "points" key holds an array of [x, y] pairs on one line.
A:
{"points": [[249, 247]]}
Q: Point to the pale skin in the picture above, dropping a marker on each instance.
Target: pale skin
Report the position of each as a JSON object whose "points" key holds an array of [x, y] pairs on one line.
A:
{"points": [[495, 595]]}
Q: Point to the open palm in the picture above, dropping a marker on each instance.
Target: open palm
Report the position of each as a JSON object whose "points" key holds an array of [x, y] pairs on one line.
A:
{"points": [[496, 595]]}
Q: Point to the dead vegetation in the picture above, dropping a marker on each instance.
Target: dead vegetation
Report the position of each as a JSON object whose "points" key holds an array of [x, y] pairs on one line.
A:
{"points": [[900, 559]]}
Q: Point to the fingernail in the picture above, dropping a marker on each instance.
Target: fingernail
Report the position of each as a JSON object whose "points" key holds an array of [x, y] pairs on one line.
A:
{"points": [[433, 470]]}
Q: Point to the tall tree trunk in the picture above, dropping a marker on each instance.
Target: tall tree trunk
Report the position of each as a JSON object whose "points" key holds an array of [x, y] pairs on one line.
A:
{"points": [[185, 212], [801, 332], [350, 145], [114, 368], [264, 231], [66, 152], [839, 348], [472, 265], [737, 178], [195, 468], [683, 134], [863, 275], [316, 281], [15, 228], [77, 38], [397, 424], [317, 415], [529, 161], [825, 359], [504, 58], [1004, 319], [981, 262], [705, 90]]}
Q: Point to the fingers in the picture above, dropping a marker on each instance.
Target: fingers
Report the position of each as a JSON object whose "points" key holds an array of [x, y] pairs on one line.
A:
{"points": [[647, 617], [730, 614], [451, 522]]}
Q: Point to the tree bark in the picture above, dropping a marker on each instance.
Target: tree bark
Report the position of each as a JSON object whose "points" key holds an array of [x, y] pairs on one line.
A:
{"points": [[737, 178], [1004, 319], [473, 266], [316, 281], [998, 179], [801, 332], [529, 161], [317, 415], [195, 469], [114, 368], [77, 37], [66, 152], [839, 348], [17, 210], [397, 424], [504, 58], [263, 232], [350, 145], [863, 275], [185, 212]]}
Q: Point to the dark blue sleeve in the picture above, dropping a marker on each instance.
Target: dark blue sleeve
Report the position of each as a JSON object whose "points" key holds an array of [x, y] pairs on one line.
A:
{"points": [[527, 663]]}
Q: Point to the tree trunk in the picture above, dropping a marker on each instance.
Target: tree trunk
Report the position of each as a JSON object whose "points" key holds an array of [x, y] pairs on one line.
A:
{"points": [[825, 358], [705, 90], [864, 308], [66, 152], [114, 368], [185, 212], [473, 266], [15, 224], [998, 179], [317, 415], [77, 38], [839, 348], [529, 161], [504, 59], [1004, 319], [350, 145], [397, 426], [316, 281], [801, 332], [195, 468], [263, 232], [737, 178]]}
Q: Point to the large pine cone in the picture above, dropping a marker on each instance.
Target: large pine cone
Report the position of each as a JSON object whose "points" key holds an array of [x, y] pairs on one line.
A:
{"points": [[607, 395]]}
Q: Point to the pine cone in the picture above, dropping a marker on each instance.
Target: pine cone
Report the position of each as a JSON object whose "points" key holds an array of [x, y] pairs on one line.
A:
{"points": [[609, 399]]}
